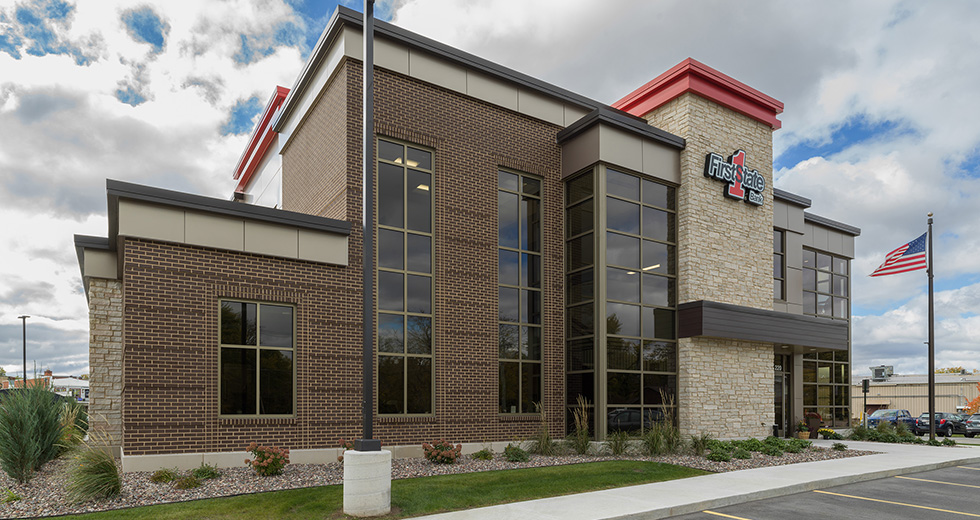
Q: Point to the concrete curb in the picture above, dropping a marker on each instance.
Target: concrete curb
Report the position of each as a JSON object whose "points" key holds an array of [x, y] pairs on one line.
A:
{"points": [[791, 489]]}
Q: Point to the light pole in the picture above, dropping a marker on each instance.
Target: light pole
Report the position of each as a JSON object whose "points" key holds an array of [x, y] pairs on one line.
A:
{"points": [[23, 320]]}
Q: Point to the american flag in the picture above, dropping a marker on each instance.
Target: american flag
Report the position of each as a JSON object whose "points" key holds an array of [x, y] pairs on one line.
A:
{"points": [[909, 257]]}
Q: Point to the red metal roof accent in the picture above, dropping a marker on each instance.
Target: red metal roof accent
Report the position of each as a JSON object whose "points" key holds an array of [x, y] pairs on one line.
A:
{"points": [[693, 76], [260, 140]]}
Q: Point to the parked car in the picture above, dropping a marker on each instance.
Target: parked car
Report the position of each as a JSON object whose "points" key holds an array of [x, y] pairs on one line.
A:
{"points": [[946, 424], [628, 419], [893, 416], [972, 425]]}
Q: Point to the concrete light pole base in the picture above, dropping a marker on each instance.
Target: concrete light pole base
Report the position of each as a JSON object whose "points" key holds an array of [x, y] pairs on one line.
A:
{"points": [[367, 483]]}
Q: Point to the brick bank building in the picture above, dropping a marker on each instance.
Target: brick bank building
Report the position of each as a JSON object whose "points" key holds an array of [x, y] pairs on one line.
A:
{"points": [[533, 245]]}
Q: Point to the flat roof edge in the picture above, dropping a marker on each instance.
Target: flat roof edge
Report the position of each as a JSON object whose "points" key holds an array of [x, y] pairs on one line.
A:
{"points": [[622, 120], [346, 16], [792, 198], [119, 189], [833, 224]]}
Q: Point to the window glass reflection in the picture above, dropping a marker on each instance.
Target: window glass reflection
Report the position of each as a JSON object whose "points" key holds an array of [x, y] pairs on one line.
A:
{"points": [[622, 250], [623, 319], [622, 216], [622, 185]]}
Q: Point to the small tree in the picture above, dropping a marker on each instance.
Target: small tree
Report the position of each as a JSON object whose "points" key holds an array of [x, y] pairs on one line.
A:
{"points": [[974, 405]]}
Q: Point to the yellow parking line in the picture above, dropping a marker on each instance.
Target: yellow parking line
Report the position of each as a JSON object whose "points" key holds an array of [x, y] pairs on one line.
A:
{"points": [[939, 482], [898, 503], [724, 515], [968, 467]]}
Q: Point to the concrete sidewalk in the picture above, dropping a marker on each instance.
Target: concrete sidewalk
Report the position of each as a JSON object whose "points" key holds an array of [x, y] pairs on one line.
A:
{"points": [[678, 497]]}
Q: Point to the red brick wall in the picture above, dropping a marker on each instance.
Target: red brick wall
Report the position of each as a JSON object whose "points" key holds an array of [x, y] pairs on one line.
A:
{"points": [[172, 292]]}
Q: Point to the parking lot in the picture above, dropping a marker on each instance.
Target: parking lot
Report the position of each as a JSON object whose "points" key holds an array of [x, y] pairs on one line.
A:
{"points": [[940, 494]]}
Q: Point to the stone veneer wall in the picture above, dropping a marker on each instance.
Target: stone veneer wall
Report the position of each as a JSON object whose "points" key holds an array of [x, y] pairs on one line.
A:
{"points": [[105, 307], [725, 387], [724, 255]]}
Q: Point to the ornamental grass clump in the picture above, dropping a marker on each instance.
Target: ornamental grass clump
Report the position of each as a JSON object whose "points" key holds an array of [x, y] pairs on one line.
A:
{"points": [[617, 442], [442, 451], [484, 454], [205, 472], [30, 428], [92, 473], [269, 460], [165, 475], [542, 443], [515, 454], [580, 440]]}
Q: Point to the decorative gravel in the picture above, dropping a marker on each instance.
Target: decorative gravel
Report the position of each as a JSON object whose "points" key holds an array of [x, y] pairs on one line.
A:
{"points": [[44, 494]]}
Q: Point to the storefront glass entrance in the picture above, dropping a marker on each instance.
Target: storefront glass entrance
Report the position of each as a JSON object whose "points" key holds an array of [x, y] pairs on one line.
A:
{"points": [[781, 394]]}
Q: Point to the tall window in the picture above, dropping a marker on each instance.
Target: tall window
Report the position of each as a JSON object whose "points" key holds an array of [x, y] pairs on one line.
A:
{"points": [[825, 285], [257, 346], [826, 387], [580, 301], [640, 300], [404, 279], [519, 291], [778, 265]]}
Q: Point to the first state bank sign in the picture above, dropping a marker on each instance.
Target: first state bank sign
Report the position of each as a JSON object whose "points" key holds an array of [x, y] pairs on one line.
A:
{"points": [[743, 184]]}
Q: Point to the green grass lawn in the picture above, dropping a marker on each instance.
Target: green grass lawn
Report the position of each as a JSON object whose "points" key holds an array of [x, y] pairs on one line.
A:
{"points": [[420, 496]]}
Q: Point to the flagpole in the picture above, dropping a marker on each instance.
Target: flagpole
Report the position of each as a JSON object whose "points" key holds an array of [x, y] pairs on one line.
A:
{"points": [[932, 345]]}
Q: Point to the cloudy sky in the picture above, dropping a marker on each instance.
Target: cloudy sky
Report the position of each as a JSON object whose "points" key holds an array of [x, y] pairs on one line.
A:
{"points": [[881, 126]]}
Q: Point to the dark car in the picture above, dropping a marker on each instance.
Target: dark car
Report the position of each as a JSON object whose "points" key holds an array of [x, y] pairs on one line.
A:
{"points": [[892, 416], [628, 419], [946, 424], [972, 425]]}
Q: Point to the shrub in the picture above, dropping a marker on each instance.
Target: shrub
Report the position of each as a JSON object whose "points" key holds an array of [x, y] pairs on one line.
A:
{"points": [[949, 442], [741, 453], [10, 496], [902, 430], [699, 443], [716, 445], [801, 444], [484, 454], [580, 441], [888, 437], [164, 475], [830, 434], [859, 433], [73, 425], [30, 428], [933, 442], [719, 456], [92, 472], [515, 454], [542, 443], [441, 452], [918, 440], [617, 442], [839, 446], [750, 444], [772, 451], [205, 472], [344, 446], [187, 482], [268, 460]]}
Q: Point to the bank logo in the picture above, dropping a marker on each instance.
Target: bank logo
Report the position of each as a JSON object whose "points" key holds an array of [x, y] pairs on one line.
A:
{"points": [[743, 184]]}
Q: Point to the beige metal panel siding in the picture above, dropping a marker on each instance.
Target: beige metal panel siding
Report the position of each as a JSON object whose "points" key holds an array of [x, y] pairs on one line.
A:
{"points": [[538, 106], [202, 229], [100, 264], [435, 71], [491, 90], [320, 80], [580, 152], [794, 286], [620, 148], [270, 239], [573, 114], [794, 219], [780, 218], [353, 45], [318, 247], [150, 221], [661, 162], [848, 250], [390, 55], [820, 237], [835, 242], [794, 250]]}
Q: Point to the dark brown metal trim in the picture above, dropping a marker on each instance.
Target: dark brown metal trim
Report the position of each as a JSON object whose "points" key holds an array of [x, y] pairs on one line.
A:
{"points": [[722, 320]]}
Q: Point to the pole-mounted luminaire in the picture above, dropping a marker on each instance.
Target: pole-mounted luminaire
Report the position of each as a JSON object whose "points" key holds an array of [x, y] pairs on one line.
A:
{"points": [[23, 320], [368, 443]]}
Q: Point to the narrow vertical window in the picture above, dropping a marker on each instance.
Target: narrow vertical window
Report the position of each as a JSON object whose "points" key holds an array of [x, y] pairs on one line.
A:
{"points": [[256, 361], [778, 265], [519, 291], [404, 279]]}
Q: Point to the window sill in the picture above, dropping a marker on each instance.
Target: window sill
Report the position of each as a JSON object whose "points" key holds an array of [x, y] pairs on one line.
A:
{"points": [[520, 417], [405, 419]]}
